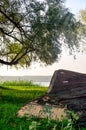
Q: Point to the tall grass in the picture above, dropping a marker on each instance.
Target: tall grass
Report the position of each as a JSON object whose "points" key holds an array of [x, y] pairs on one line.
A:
{"points": [[12, 97], [22, 85], [18, 83]]}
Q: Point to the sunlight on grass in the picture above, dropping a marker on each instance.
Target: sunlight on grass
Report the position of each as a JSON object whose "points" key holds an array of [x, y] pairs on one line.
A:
{"points": [[22, 85]]}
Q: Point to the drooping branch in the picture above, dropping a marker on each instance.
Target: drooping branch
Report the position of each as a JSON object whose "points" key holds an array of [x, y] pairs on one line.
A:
{"points": [[6, 62], [17, 58], [16, 24], [12, 21], [1, 29]]}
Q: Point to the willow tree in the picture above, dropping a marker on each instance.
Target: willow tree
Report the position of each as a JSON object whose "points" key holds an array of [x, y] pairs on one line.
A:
{"points": [[32, 30], [82, 29]]}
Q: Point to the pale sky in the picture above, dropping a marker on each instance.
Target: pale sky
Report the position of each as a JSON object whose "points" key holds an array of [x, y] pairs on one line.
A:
{"points": [[66, 61], [75, 5]]}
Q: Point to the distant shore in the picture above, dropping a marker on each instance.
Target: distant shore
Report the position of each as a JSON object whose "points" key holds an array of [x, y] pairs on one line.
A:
{"points": [[31, 78], [43, 80]]}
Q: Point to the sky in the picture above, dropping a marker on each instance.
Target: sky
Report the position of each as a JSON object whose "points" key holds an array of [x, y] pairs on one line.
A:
{"points": [[66, 62], [75, 5]]}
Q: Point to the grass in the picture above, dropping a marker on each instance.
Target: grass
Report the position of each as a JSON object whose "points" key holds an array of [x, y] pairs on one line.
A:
{"points": [[13, 95]]}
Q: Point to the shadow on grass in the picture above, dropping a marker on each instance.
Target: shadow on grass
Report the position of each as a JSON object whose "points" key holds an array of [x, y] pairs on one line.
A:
{"points": [[17, 96], [4, 88]]}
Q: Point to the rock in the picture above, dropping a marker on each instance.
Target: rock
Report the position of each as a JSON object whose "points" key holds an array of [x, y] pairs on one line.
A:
{"points": [[63, 79], [70, 89], [67, 91]]}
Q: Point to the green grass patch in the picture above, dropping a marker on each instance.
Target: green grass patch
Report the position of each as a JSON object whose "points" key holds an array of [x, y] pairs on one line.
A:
{"points": [[14, 95]]}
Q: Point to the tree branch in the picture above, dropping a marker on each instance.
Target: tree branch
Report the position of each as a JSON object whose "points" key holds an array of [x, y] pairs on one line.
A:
{"points": [[6, 62], [15, 23], [15, 60], [1, 29]]}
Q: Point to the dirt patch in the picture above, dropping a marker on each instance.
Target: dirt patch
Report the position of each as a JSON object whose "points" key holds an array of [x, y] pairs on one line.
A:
{"points": [[42, 108]]}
